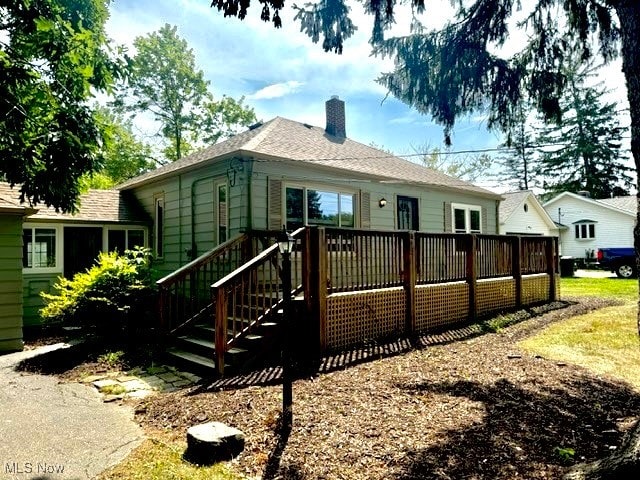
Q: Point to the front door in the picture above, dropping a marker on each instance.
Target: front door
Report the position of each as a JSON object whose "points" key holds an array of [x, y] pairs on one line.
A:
{"points": [[81, 248], [408, 213]]}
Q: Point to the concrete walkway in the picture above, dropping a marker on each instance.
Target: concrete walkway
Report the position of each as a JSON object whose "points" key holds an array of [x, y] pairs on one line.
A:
{"points": [[51, 430]]}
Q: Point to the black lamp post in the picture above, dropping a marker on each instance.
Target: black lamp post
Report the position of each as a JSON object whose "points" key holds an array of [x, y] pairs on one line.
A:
{"points": [[285, 245]]}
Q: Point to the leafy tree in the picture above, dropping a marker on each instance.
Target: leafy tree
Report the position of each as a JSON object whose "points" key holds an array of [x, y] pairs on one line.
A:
{"points": [[124, 155], [588, 152], [166, 83], [467, 167], [54, 54]]}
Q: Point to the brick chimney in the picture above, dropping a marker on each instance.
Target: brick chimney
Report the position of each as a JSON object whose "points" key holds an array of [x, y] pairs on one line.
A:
{"points": [[335, 117]]}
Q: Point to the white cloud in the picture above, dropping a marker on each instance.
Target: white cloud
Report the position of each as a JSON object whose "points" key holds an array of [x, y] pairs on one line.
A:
{"points": [[276, 90]]}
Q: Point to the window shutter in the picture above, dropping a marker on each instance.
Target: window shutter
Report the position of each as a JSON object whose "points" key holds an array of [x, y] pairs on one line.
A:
{"points": [[365, 209], [275, 204], [447, 217]]}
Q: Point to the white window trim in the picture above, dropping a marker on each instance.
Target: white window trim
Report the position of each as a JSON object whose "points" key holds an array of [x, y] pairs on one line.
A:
{"points": [[158, 198], [587, 238], [322, 188], [468, 208], [59, 249]]}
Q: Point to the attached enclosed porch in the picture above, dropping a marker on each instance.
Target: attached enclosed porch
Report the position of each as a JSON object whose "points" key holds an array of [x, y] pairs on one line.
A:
{"points": [[223, 311]]}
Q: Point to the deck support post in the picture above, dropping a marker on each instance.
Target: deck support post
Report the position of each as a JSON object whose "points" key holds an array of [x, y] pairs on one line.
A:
{"points": [[552, 256], [516, 268], [316, 283], [220, 321], [409, 280], [472, 276]]}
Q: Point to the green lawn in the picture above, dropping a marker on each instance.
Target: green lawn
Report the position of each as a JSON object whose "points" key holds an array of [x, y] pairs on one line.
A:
{"points": [[604, 341], [600, 287], [156, 460]]}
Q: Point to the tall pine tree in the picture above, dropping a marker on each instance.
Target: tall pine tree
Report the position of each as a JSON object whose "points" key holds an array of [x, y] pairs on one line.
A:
{"points": [[583, 152], [518, 163]]}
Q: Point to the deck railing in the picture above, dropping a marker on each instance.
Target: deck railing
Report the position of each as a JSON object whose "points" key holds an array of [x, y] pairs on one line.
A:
{"points": [[237, 285], [185, 294], [244, 298], [359, 260]]}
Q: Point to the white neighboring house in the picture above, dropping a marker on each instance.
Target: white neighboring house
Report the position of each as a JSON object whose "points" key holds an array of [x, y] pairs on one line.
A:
{"points": [[592, 224], [522, 214]]}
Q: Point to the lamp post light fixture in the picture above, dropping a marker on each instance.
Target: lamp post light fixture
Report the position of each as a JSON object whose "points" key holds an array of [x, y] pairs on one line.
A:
{"points": [[285, 246]]}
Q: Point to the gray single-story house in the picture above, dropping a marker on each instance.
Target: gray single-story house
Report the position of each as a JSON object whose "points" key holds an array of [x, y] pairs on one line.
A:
{"points": [[276, 173]]}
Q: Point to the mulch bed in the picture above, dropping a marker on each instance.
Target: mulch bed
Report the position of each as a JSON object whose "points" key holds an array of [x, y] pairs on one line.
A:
{"points": [[475, 408]]}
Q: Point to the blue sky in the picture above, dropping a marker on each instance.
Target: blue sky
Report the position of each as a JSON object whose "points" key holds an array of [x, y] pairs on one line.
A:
{"points": [[282, 73]]}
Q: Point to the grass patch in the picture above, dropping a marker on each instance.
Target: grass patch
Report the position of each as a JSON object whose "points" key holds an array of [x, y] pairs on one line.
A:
{"points": [[604, 341], [626, 289], [113, 390], [156, 460]]}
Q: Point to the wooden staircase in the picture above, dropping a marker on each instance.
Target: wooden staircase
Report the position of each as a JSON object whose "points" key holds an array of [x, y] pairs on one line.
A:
{"points": [[195, 348], [222, 312]]}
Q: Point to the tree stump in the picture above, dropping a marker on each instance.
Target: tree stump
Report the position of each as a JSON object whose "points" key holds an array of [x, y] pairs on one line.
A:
{"points": [[213, 442], [623, 464]]}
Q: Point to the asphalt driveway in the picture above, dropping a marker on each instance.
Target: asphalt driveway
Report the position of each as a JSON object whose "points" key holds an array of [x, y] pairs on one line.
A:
{"points": [[52, 430]]}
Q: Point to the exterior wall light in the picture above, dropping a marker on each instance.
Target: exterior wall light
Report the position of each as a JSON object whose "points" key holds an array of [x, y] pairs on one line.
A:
{"points": [[382, 202]]}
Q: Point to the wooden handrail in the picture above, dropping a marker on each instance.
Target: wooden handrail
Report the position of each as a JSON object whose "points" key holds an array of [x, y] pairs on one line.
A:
{"points": [[185, 270], [240, 281]]}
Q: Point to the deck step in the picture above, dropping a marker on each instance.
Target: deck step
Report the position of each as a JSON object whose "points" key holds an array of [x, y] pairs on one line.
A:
{"points": [[192, 361]]}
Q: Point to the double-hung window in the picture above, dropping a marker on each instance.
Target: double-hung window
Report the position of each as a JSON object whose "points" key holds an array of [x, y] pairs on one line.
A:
{"points": [[306, 206], [466, 218], [40, 249]]}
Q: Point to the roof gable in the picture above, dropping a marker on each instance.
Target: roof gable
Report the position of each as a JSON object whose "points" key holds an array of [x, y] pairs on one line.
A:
{"points": [[514, 201], [589, 201]]}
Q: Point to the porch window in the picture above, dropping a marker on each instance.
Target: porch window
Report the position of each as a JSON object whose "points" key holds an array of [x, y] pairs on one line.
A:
{"points": [[158, 225], [319, 207], [466, 218], [124, 239], [39, 248]]}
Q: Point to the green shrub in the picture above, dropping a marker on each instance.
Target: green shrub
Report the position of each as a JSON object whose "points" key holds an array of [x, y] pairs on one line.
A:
{"points": [[116, 293]]}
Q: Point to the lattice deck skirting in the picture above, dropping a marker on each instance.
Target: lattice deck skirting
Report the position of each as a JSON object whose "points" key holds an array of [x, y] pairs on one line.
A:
{"points": [[496, 295], [535, 289], [440, 305], [356, 317]]}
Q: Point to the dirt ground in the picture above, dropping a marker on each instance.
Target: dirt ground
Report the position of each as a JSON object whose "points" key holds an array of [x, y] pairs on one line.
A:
{"points": [[460, 405]]}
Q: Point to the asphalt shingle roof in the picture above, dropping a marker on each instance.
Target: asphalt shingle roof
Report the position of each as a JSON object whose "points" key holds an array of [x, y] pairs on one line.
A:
{"points": [[281, 139], [512, 200], [629, 203], [100, 206]]}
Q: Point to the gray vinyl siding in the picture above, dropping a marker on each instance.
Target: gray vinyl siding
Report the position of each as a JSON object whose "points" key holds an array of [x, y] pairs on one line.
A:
{"points": [[177, 193], [431, 201], [10, 282]]}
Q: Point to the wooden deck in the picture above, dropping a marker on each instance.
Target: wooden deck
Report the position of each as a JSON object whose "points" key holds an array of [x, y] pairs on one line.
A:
{"points": [[356, 286]]}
